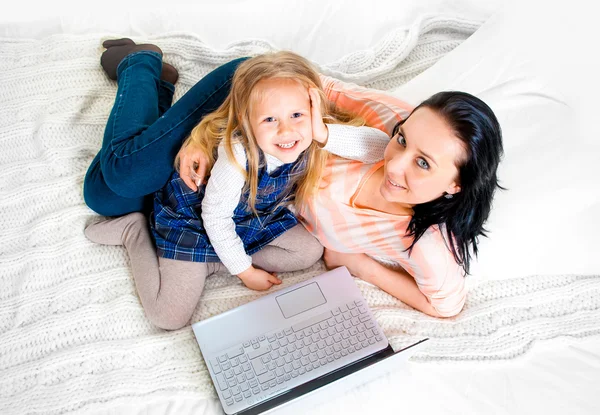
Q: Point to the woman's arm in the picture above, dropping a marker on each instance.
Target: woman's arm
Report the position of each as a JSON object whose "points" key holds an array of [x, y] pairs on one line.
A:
{"points": [[398, 284], [377, 108], [445, 302]]}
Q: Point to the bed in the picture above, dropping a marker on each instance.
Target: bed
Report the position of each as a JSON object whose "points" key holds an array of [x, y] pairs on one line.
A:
{"points": [[74, 338]]}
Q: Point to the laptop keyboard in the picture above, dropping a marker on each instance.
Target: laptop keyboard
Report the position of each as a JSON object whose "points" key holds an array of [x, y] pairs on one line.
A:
{"points": [[271, 360]]}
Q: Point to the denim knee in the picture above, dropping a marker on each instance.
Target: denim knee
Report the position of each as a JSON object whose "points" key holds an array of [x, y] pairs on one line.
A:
{"points": [[102, 200]]}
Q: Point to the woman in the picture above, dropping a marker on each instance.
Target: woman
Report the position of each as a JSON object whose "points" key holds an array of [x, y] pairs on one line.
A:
{"points": [[421, 203]]}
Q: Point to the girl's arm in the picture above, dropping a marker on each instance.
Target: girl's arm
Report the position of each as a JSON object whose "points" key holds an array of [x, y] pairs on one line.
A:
{"points": [[364, 144], [221, 197]]}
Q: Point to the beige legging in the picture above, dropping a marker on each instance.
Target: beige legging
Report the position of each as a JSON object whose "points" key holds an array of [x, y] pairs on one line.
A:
{"points": [[169, 289]]}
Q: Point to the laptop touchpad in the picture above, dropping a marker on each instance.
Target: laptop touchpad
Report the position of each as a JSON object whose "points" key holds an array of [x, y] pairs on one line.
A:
{"points": [[300, 300]]}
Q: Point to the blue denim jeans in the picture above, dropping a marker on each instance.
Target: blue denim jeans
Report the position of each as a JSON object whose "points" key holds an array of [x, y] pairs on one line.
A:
{"points": [[144, 133]]}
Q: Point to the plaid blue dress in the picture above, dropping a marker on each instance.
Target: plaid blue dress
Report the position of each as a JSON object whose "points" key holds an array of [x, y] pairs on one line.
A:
{"points": [[177, 224]]}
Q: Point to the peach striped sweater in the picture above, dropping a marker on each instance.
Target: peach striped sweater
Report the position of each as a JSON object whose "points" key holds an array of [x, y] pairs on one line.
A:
{"points": [[341, 226]]}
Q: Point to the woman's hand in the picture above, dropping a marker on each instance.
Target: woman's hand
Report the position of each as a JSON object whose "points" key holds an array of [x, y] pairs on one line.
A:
{"points": [[356, 263], [192, 166], [319, 129], [257, 279]]}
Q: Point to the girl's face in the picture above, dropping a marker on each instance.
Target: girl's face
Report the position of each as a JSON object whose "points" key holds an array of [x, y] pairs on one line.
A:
{"points": [[421, 159], [280, 118]]}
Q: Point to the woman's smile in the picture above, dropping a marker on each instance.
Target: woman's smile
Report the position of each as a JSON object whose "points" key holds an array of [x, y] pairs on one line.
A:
{"points": [[395, 186]]}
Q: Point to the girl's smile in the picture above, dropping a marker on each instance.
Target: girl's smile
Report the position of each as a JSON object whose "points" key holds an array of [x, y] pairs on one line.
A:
{"points": [[287, 146], [280, 118]]}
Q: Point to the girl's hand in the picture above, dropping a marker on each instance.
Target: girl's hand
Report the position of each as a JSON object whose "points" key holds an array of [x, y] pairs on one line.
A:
{"points": [[257, 279], [192, 166], [356, 263], [319, 129]]}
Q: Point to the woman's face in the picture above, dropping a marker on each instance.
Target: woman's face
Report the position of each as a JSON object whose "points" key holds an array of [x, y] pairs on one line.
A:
{"points": [[421, 159]]}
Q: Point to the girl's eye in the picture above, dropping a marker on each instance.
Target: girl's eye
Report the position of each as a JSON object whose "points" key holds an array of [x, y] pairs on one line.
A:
{"points": [[422, 163], [401, 140], [297, 115], [269, 119]]}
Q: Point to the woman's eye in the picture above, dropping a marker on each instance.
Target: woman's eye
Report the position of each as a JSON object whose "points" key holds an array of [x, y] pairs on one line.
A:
{"points": [[401, 140], [422, 163], [297, 115], [269, 119]]}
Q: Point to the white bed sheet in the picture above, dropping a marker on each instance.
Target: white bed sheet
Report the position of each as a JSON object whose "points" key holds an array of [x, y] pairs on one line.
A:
{"points": [[555, 376]]}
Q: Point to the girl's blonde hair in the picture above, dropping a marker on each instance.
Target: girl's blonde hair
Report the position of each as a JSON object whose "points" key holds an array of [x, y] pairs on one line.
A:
{"points": [[230, 123]]}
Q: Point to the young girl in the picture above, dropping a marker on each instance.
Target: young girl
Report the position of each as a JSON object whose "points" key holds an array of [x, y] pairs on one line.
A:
{"points": [[264, 155]]}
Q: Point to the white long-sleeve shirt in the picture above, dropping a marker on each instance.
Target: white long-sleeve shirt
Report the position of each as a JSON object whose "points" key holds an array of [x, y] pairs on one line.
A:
{"points": [[224, 187]]}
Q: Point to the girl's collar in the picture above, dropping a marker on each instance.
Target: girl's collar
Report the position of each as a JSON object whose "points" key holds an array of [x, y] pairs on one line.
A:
{"points": [[273, 163]]}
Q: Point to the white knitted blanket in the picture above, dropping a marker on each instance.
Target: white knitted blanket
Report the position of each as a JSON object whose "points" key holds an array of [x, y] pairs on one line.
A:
{"points": [[72, 331]]}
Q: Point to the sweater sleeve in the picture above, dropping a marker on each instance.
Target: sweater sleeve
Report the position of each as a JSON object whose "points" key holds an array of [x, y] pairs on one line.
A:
{"points": [[364, 144], [222, 195], [437, 274]]}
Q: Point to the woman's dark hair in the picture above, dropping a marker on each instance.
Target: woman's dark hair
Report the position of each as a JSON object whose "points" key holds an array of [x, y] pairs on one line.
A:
{"points": [[475, 125]]}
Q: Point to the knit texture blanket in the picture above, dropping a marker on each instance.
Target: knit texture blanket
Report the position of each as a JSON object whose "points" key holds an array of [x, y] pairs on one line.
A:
{"points": [[73, 334]]}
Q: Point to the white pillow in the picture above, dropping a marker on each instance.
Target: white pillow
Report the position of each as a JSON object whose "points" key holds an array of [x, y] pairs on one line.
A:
{"points": [[537, 66], [323, 31]]}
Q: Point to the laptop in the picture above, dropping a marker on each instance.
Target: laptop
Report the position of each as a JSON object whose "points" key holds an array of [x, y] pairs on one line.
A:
{"points": [[290, 342]]}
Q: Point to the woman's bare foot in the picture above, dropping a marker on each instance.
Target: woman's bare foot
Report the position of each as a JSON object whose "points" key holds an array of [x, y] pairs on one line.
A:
{"points": [[117, 49]]}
